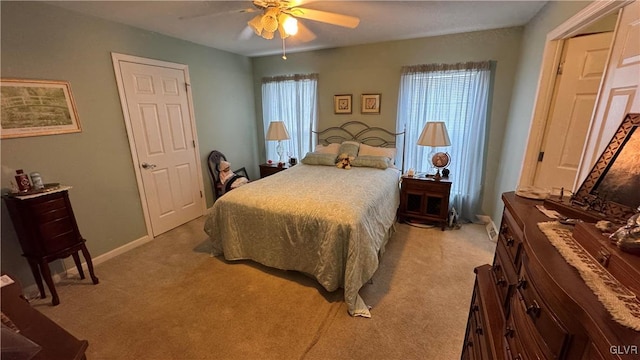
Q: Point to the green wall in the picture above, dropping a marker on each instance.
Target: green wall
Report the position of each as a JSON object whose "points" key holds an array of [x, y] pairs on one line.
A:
{"points": [[376, 68], [41, 41], [524, 92]]}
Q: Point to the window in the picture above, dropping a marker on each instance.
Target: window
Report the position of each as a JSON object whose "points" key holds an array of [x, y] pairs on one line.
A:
{"points": [[457, 94], [293, 100]]}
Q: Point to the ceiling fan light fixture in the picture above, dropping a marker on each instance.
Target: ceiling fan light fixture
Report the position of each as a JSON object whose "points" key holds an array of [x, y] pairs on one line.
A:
{"points": [[289, 24], [256, 24], [267, 34], [270, 20]]}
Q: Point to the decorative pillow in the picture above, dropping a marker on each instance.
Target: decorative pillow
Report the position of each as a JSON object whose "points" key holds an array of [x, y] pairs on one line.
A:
{"points": [[316, 158], [328, 149], [378, 162], [377, 151], [349, 147]]}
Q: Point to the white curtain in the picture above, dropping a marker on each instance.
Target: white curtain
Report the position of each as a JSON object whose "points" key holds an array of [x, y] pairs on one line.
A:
{"points": [[457, 94], [292, 99]]}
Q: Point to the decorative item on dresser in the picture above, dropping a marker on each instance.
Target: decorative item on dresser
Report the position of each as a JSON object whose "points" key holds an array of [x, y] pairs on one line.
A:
{"points": [[270, 169], [48, 231], [424, 199]]}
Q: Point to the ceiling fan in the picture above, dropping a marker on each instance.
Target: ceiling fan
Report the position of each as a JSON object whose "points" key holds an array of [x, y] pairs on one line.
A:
{"points": [[281, 16]]}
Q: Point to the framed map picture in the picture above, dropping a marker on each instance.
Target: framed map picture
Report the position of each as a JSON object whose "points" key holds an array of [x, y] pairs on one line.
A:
{"points": [[37, 107]]}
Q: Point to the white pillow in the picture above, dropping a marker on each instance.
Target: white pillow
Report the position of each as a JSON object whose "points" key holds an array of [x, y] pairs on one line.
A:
{"points": [[367, 150], [328, 149]]}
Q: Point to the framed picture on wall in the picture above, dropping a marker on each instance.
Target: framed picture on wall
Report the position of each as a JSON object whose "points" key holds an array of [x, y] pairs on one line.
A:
{"points": [[342, 104], [37, 107], [370, 104]]}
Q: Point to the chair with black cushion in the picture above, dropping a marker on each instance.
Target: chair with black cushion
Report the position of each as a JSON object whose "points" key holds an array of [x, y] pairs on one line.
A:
{"points": [[215, 157]]}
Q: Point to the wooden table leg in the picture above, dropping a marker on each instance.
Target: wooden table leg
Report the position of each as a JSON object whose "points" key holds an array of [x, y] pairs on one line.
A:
{"points": [[87, 257], [46, 274], [76, 259], [33, 264]]}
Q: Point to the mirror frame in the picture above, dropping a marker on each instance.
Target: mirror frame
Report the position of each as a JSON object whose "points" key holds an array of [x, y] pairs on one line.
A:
{"points": [[612, 210]]}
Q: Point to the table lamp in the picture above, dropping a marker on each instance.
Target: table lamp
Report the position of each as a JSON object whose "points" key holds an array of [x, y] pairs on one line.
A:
{"points": [[435, 134], [278, 131]]}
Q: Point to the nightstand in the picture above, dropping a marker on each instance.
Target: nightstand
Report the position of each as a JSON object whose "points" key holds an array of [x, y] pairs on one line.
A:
{"points": [[424, 200], [270, 169]]}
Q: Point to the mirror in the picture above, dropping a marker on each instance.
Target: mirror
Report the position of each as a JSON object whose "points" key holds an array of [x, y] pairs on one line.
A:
{"points": [[612, 188]]}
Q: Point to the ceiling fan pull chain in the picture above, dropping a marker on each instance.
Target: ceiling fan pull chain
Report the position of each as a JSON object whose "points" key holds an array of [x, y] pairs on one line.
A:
{"points": [[284, 51]]}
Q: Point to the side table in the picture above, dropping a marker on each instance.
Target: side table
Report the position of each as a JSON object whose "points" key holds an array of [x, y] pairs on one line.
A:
{"points": [[47, 231], [270, 169], [423, 199]]}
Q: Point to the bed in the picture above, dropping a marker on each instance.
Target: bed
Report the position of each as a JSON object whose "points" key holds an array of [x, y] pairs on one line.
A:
{"points": [[329, 223]]}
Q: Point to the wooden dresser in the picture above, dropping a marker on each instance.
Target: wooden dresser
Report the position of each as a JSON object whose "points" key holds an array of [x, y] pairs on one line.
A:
{"points": [[47, 230], [531, 304]]}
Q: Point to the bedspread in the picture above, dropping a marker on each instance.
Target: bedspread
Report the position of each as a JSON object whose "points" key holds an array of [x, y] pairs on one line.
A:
{"points": [[330, 223]]}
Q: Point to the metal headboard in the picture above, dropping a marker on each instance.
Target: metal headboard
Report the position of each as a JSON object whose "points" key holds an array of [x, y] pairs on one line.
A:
{"points": [[358, 131]]}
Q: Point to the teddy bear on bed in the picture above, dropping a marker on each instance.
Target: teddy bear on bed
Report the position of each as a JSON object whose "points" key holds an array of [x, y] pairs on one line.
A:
{"points": [[344, 161]]}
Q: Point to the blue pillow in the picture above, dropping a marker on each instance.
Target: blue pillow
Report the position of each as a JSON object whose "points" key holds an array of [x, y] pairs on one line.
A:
{"points": [[378, 162], [316, 158], [350, 148]]}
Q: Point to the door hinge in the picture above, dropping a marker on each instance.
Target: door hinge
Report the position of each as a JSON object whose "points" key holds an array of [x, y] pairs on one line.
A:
{"points": [[200, 193], [540, 155], [560, 67], [186, 86], [194, 143]]}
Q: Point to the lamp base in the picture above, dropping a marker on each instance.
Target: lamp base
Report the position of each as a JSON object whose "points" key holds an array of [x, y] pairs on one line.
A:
{"points": [[437, 176]]}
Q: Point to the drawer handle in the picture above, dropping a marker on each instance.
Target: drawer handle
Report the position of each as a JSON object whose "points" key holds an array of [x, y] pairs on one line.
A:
{"points": [[518, 357], [496, 267], [534, 309], [475, 308], [479, 330], [469, 343], [510, 241], [501, 281], [504, 228], [522, 283]]}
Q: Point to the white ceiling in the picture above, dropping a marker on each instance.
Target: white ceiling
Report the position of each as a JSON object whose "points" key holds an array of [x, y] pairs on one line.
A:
{"points": [[214, 24]]}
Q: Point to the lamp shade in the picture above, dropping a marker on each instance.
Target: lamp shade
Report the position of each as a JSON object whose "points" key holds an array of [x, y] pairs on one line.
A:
{"points": [[277, 131], [434, 134]]}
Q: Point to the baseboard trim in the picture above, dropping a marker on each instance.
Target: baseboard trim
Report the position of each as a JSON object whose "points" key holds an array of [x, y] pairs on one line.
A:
{"points": [[72, 270]]}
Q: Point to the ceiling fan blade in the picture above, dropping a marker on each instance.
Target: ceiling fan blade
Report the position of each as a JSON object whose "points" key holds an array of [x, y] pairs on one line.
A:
{"points": [[326, 17], [304, 34], [212, 13]]}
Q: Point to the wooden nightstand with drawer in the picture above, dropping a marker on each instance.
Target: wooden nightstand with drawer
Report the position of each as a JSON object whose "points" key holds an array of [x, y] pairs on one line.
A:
{"points": [[424, 199], [270, 169]]}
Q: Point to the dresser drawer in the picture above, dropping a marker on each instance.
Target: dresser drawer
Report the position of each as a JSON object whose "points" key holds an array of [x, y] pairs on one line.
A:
{"points": [[511, 237], [504, 274], [552, 334]]}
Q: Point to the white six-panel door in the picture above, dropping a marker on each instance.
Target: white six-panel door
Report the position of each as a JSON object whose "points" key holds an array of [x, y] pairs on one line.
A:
{"points": [[161, 128], [583, 63]]}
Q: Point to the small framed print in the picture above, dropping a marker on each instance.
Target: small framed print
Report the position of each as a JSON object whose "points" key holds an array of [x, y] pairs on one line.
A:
{"points": [[342, 104], [370, 104]]}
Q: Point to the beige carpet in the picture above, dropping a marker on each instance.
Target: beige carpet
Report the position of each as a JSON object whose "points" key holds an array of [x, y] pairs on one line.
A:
{"points": [[169, 299]]}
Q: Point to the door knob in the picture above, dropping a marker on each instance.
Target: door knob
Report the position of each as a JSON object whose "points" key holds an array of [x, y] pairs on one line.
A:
{"points": [[148, 166]]}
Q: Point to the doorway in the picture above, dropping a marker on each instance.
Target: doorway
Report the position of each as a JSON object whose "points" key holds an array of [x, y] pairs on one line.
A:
{"points": [[552, 55], [158, 111], [577, 83]]}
